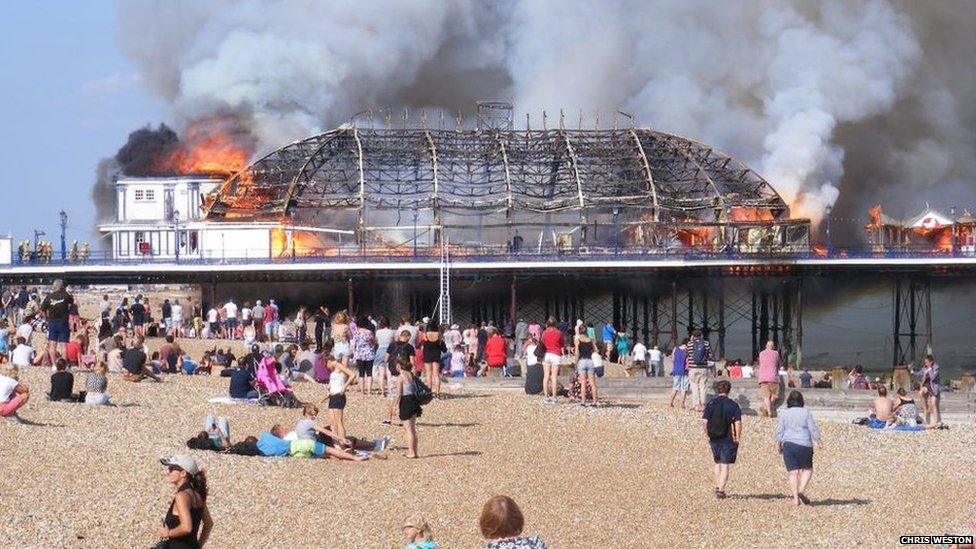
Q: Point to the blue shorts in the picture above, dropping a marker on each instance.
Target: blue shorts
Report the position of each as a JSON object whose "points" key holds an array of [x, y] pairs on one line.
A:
{"points": [[584, 366], [680, 383], [724, 450], [58, 331], [231, 323], [797, 456], [318, 450]]}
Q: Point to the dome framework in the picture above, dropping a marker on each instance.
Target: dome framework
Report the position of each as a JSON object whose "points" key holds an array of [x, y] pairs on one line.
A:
{"points": [[620, 186]]}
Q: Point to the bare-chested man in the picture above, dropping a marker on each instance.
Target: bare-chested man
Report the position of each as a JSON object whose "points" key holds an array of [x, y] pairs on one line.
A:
{"points": [[882, 405]]}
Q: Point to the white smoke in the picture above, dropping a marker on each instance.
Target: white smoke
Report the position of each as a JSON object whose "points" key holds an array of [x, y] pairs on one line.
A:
{"points": [[783, 85]]}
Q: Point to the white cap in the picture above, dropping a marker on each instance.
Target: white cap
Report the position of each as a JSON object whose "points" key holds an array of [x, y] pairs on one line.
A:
{"points": [[258, 302], [426, 319], [183, 461]]}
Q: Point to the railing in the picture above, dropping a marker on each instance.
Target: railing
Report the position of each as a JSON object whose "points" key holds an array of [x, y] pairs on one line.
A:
{"points": [[478, 253]]}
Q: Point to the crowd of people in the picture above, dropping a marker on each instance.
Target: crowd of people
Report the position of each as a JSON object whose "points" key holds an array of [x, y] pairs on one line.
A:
{"points": [[403, 363]]}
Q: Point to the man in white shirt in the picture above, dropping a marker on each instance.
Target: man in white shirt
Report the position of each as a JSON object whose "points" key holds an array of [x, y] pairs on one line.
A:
{"points": [[23, 354], [657, 363], [747, 370], [639, 357], [177, 318], [213, 330], [230, 308]]}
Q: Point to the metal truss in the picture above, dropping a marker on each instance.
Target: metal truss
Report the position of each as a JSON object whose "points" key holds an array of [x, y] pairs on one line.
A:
{"points": [[502, 176]]}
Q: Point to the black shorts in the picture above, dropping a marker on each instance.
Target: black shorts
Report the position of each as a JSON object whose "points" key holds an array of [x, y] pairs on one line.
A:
{"points": [[365, 368], [431, 354], [337, 402], [409, 407], [724, 451]]}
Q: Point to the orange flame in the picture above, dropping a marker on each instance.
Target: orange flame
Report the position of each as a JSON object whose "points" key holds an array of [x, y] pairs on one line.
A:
{"points": [[940, 238], [875, 214], [818, 250], [750, 214], [209, 146]]}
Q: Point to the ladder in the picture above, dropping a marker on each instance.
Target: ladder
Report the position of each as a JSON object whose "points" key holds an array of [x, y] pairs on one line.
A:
{"points": [[444, 295]]}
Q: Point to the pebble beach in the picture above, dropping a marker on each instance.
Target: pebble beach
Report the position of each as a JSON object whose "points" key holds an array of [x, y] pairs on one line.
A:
{"points": [[629, 474]]}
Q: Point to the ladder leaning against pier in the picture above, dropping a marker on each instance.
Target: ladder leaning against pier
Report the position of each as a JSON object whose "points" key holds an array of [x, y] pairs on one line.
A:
{"points": [[444, 295]]}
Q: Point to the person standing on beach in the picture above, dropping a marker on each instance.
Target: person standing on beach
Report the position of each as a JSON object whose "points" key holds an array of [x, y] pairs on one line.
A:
{"points": [[187, 523], [768, 377], [552, 341], [700, 352], [407, 404], [722, 421], [679, 374], [931, 390], [521, 334], [796, 433], [55, 308]]}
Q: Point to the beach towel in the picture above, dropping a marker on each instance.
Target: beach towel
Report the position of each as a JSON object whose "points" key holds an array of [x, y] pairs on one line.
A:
{"points": [[228, 400]]}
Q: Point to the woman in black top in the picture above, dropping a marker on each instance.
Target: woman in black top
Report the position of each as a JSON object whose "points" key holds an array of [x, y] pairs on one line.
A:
{"points": [[433, 350], [187, 524]]}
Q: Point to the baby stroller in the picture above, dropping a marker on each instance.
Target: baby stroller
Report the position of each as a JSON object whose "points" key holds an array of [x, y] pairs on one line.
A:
{"points": [[272, 390]]}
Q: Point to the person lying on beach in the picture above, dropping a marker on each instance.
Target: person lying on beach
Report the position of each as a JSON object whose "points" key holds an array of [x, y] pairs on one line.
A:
{"points": [[274, 444]]}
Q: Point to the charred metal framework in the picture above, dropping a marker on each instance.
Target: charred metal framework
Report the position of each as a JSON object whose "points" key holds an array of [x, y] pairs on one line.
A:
{"points": [[495, 186]]}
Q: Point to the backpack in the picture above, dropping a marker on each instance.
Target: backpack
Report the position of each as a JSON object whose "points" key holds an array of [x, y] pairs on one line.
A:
{"points": [[540, 351], [422, 391], [718, 423], [698, 355]]}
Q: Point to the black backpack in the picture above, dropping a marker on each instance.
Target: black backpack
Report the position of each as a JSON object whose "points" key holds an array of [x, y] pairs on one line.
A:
{"points": [[540, 351], [717, 425], [422, 391], [698, 355]]}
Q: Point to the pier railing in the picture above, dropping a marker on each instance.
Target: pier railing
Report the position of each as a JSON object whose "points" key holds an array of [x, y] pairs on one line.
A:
{"points": [[472, 253]]}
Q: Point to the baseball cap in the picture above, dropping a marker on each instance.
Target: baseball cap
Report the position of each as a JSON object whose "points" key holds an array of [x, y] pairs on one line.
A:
{"points": [[182, 461], [426, 319]]}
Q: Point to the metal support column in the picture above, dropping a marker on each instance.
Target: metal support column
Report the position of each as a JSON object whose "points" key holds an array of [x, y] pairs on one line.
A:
{"points": [[349, 302], [799, 323], [674, 313], [512, 306], [912, 309], [721, 320], [655, 324]]}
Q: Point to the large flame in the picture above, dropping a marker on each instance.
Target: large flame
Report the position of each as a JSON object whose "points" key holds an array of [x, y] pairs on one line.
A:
{"points": [[750, 214], [875, 214], [209, 146]]}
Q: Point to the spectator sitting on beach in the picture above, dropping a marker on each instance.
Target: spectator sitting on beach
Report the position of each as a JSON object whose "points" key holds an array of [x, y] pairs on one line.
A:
{"points": [[135, 364], [501, 524], [418, 534], [805, 379], [905, 411], [856, 379], [13, 394], [242, 383], [62, 382], [882, 407], [23, 354], [306, 429], [96, 383]]}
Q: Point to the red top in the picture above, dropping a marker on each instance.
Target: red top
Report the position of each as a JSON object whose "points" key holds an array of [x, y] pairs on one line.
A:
{"points": [[496, 351], [72, 352], [552, 340]]}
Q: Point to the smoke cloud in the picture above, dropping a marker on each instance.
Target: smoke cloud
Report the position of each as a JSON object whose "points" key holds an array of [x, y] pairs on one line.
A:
{"points": [[830, 100]]}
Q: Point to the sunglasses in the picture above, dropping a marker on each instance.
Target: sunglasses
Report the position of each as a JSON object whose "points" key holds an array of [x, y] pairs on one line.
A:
{"points": [[172, 468]]}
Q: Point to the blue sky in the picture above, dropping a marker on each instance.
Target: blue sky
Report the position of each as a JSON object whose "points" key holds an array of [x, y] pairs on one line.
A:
{"points": [[68, 99]]}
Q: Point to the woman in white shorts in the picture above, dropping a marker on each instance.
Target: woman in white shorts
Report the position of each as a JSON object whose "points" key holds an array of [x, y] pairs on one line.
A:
{"points": [[585, 369]]}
